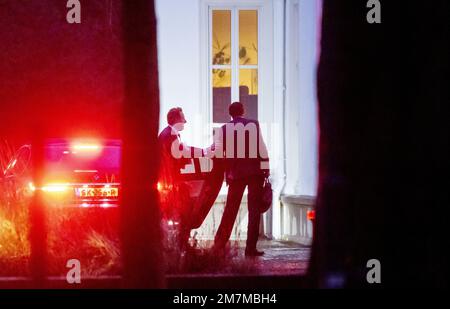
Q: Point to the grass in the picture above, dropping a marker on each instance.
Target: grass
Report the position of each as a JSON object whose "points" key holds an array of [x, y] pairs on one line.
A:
{"points": [[91, 236], [84, 234], [14, 244], [204, 260]]}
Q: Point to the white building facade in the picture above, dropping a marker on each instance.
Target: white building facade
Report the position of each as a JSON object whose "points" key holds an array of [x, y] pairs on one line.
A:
{"points": [[263, 53]]}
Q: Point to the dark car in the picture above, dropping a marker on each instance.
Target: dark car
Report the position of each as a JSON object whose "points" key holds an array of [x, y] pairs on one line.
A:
{"points": [[85, 173], [80, 173], [88, 170]]}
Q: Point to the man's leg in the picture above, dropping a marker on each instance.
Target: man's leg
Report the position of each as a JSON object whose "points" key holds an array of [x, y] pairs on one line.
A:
{"points": [[235, 191], [254, 199], [183, 205]]}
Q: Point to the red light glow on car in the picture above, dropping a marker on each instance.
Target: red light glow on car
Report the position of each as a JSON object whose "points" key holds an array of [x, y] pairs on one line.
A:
{"points": [[52, 188], [86, 147]]}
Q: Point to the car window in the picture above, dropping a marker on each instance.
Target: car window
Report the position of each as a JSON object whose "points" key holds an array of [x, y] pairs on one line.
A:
{"points": [[68, 163]]}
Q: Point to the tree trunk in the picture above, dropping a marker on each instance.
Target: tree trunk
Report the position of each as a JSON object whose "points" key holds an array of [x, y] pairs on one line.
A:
{"points": [[141, 233], [381, 90]]}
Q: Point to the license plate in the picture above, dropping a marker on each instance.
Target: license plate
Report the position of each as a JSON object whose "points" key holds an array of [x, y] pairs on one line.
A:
{"points": [[97, 192]]}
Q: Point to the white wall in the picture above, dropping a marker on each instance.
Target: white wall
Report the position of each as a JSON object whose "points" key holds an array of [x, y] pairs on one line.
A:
{"points": [[308, 123], [301, 101], [179, 61]]}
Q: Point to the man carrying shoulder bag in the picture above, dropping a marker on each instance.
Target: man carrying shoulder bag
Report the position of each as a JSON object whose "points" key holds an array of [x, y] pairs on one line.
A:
{"points": [[246, 165]]}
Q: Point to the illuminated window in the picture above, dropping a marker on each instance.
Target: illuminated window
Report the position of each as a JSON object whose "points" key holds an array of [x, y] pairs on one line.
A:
{"points": [[234, 61]]}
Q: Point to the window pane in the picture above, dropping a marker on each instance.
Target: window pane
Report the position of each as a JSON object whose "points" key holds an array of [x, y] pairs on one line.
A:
{"points": [[221, 37], [248, 91], [221, 95], [248, 37]]}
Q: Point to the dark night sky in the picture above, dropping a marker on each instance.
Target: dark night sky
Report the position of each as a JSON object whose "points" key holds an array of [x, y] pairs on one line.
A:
{"points": [[70, 72]]}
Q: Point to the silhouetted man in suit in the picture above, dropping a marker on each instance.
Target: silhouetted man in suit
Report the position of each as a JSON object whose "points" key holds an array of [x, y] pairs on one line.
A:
{"points": [[246, 165], [174, 193], [171, 147]]}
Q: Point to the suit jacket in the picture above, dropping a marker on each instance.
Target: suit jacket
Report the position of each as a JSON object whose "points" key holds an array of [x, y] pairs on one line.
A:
{"points": [[244, 149], [170, 166]]}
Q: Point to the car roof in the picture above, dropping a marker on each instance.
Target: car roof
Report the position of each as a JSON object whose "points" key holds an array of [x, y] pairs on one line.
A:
{"points": [[68, 141]]}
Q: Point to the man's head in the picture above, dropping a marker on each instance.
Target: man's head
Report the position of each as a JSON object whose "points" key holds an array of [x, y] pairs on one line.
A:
{"points": [[175, 118], [236, 109]]}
